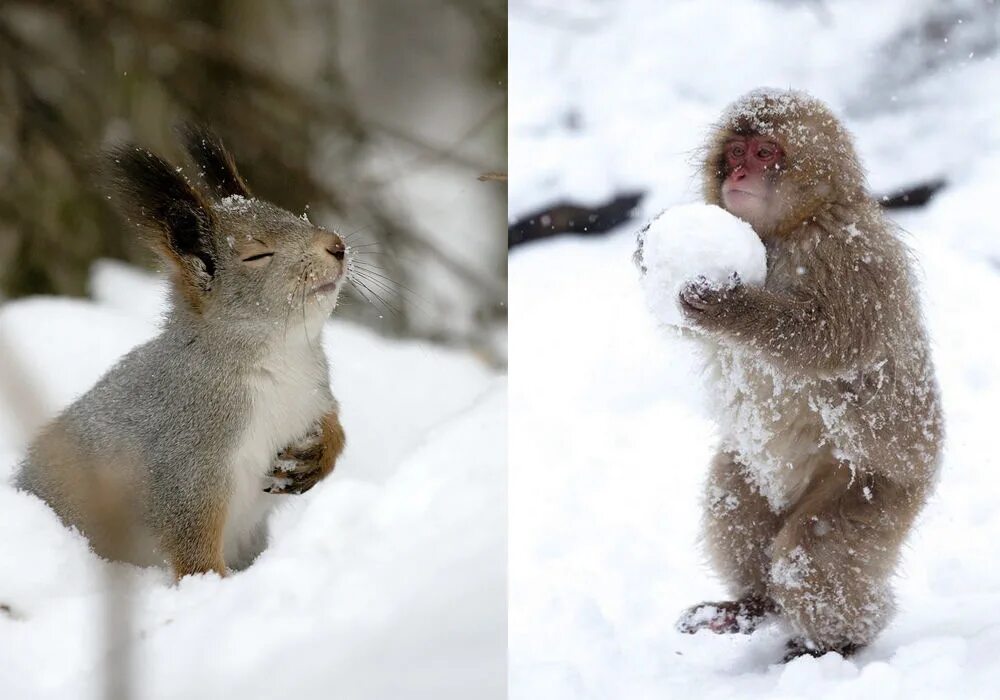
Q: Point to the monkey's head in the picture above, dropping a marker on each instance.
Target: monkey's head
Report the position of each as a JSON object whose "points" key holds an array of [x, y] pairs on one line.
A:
{"points": [[777, 158]]}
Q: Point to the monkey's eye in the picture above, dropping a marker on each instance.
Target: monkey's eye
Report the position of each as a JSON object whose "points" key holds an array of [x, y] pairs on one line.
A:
{"points": [[737, 151], [258, 260], [765, 153]]}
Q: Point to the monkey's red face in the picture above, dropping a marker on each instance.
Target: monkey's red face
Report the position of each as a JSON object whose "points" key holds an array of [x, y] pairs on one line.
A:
{"points": [[752, 164]]}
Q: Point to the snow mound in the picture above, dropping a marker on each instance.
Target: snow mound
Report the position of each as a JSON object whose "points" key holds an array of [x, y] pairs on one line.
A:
{"points": [[695, 242]]}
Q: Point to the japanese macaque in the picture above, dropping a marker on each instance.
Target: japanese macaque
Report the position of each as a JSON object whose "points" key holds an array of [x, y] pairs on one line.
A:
{"points": [[829, 412]]}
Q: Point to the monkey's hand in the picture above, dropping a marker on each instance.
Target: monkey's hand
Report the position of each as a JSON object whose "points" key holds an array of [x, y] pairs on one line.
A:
{"points": [[706, 304], [729, 617], [301, 465]]}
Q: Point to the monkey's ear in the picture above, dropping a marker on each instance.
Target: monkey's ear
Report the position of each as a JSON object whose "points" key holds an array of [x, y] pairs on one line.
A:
{"points": [[176, 219], [214, 161]]}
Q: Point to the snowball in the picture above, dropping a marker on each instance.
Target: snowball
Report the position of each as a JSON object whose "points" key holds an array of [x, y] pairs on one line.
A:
{"points": [[696, 240]]}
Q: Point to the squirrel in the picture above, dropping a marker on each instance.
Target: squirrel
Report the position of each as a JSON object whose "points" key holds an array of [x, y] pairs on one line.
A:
{"points": [[181, 449]]}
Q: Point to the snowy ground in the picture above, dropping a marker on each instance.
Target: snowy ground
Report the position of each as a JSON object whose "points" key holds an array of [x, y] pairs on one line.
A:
{"points": [[609, 434], [385, 581]]}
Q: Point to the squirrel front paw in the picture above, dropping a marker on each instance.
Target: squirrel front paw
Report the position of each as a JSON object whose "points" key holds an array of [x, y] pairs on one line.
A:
{"points": [[298, 467]]}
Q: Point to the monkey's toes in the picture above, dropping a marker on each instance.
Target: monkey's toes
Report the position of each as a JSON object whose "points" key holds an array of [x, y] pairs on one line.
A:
{"points": [[728, 617], [800, 646], [710, 617]]}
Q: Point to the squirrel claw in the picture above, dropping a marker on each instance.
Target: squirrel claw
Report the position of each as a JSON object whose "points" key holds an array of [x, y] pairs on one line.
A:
{"points": [[299, 466], [292, 482]]}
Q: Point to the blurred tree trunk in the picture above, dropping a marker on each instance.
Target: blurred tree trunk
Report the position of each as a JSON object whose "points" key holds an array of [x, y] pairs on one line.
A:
{"points": [[313, 97]]}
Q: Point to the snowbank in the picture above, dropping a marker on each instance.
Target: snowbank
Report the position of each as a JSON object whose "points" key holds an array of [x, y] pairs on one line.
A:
{"points": [[387, 580], [610, 438]]}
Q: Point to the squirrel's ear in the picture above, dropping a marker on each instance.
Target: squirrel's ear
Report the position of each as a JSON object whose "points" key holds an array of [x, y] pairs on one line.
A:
{"points": [[215, 162], [178, 222]]}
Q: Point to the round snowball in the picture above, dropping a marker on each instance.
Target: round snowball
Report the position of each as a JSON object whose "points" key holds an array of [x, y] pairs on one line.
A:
{"points": [[691, 241]]}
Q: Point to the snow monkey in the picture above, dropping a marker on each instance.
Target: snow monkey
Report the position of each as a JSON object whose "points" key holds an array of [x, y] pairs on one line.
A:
{"points": [[822, 380]]}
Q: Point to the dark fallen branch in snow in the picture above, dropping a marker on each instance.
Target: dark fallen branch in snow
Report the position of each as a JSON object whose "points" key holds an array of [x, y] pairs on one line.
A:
{"points": [[913, 196], [567, 217]]}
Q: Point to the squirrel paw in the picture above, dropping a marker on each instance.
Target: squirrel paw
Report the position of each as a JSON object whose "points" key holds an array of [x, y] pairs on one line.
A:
{"points": [[297, 480], [298, 467]]}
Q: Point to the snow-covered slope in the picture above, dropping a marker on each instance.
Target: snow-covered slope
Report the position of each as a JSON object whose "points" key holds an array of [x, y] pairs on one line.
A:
{"points": [[387, 580], [610, 438]]}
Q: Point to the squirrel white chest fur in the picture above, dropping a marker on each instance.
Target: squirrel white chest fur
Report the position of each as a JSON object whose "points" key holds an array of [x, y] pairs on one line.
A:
{"points": [[289, 392]]}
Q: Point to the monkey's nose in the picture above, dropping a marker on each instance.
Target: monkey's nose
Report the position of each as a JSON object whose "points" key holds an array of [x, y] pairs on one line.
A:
{"points": [[336, 247]]}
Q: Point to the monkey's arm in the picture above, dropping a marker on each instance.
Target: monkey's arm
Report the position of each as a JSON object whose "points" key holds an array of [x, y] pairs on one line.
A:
{"points": [[303, 464], [804, 330]]}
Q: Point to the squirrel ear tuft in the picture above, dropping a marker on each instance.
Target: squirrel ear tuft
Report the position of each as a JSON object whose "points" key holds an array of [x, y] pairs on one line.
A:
{"points": [[176, 219], [216, 163]]}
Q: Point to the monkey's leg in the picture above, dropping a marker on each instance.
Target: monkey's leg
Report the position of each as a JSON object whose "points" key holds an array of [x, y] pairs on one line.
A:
{"points": [[311, 459], [834, 556], [739, 527], [193, 540]]}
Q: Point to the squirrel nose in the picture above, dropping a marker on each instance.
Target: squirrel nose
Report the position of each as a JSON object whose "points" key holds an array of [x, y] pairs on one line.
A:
{"points": [[336, 247]]}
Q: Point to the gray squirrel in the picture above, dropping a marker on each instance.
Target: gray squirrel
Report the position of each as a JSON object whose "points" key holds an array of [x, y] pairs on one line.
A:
{"points": [[179, 452]]}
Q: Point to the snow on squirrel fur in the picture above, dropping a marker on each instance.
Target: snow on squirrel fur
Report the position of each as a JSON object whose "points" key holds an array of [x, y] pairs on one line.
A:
{"points": [[692, 243]]}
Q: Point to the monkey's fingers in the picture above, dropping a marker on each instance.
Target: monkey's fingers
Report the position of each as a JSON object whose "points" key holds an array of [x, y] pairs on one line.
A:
{"points": [[699, 296]]}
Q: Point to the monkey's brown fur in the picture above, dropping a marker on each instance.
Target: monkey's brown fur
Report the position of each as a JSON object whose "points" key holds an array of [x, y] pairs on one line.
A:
{"points": [[830, 416]]}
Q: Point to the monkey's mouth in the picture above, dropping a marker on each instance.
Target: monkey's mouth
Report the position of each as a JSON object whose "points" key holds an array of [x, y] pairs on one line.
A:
{"points": [[742, 192]]}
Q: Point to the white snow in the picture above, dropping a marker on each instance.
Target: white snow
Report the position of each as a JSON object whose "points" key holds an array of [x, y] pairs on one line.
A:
{"points": [[609, 428], [386, 580], [696, 243]]}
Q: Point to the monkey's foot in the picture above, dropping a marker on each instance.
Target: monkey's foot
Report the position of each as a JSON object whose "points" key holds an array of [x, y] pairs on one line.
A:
{"points": [[803, 647], [727, 617]]}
